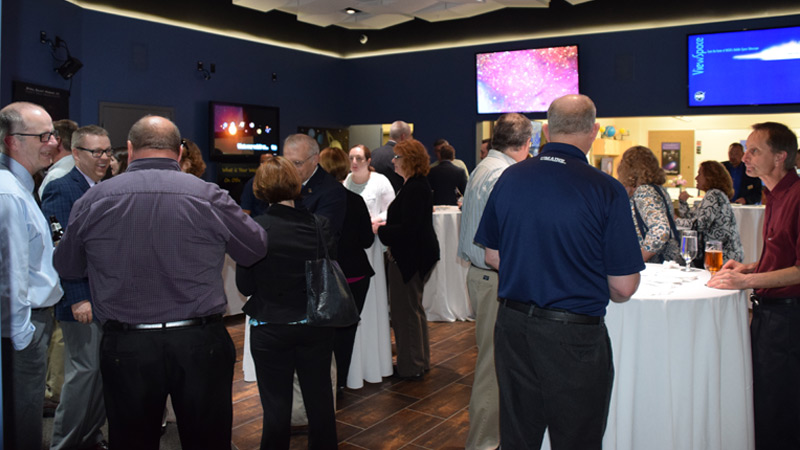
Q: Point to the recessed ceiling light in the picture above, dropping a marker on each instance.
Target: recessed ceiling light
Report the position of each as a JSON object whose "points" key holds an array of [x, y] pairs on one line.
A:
{"points": [[351, 11]]}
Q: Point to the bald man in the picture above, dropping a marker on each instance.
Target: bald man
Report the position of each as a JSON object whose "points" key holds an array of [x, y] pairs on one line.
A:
{"points": [[552, 302], [29, 284], [153, 241]]}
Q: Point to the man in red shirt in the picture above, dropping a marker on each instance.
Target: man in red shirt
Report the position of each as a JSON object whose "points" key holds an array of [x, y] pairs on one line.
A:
{"points": [[775, 279]]}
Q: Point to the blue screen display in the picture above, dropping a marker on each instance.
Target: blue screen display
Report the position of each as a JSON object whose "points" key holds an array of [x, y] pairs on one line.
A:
{"points": [[753, 67]]}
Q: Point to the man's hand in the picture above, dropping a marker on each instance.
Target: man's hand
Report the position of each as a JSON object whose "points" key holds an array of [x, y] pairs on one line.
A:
{"points": [[733, 275], [728, 279], [82, 311], [740, 201]]}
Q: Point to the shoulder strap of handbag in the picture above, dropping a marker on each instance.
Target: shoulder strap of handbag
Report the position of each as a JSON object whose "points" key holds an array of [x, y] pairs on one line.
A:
{"points": [[672, 227], [320, 241]]}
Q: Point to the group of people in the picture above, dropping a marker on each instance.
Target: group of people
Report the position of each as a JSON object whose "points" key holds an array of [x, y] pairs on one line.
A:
{"points": [[136, 278], [543, 352]]}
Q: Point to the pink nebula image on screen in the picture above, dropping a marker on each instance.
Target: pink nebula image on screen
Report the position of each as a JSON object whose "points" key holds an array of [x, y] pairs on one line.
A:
{"points": [[525, 80]]}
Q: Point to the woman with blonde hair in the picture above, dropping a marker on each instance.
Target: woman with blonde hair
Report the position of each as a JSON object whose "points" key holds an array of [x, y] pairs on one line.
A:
{"points": [[713, 218], [651, 206]]}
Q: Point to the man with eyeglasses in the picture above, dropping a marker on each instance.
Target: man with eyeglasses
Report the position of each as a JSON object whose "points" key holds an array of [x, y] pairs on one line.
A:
{"points": [[321, 193], [28, 282], [81, 413], [153, 241]]}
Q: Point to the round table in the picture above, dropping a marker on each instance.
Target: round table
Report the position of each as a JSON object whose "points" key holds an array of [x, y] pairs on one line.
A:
{"points": [[683, 371]]}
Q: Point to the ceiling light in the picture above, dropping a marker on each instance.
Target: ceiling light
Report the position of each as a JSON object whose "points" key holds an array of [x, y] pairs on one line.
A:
{"points": [[351, 11]]}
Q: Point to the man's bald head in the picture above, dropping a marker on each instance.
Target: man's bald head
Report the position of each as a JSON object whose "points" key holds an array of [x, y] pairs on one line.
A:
{"points": [[155, 133], [571, 120], [399, 131]]}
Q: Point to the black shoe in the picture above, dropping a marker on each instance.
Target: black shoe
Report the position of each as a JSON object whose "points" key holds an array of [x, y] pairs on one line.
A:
{"points": [[415, 377]]}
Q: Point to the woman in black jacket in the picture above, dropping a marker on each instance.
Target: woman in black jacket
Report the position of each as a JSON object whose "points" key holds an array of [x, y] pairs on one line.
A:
{"points": [[280, 340], [414, 249], [355, 237]]}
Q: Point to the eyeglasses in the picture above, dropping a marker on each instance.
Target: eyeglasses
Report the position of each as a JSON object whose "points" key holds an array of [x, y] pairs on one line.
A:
{"points": [[97, 153], [183, 143], [299, 164], [43, 137], [357, 158], [397, 156]]}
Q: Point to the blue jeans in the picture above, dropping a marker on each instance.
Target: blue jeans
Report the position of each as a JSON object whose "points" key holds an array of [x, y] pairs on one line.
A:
{"points": [[555, 376]]}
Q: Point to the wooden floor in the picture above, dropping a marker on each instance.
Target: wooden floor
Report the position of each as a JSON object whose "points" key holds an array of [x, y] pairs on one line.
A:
{"points": [[428, 414]]}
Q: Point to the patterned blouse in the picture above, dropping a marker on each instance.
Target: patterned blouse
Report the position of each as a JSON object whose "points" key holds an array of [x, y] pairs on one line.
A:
{"points": [[659, 238], [713, 219]]}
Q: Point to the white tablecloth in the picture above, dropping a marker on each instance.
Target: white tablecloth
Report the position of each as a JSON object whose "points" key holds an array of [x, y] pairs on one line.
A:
{"points": [[683, 367], [445, 296], [372, 351], [750, 221]]}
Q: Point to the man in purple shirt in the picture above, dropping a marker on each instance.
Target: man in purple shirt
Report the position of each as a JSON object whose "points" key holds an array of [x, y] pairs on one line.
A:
{"points": [[152, 242]]}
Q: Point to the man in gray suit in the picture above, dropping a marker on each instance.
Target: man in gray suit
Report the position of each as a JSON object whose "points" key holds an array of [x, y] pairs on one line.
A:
{"points": [[382, 156], [81, 413]]}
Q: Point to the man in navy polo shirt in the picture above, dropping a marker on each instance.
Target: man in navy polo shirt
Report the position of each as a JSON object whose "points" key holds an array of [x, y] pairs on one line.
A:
{"points": [[560, 234]]}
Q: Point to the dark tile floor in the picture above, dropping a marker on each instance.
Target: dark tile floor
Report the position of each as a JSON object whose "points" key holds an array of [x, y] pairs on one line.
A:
{"points": [[393, 414]]}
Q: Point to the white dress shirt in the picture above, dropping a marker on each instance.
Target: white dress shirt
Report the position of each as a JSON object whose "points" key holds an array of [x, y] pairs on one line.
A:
{"points": [[27, 277], [480, 185]]}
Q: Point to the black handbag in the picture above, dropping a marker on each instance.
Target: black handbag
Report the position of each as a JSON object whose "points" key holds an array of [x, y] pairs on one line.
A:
{"points": [[330, 301]]}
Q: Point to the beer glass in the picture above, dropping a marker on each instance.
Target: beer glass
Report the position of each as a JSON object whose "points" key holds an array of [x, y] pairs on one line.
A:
{"points": [[713, 260]]}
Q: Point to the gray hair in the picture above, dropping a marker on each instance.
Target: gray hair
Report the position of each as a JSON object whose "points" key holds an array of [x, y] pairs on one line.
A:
{"points": [[302, 140], [511, 131], [11, 119], [88, 130], [399, 129], [149, 134], [571, 114]]}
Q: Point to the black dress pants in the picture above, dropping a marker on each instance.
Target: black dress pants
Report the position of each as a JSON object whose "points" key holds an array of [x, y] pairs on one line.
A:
{"points": [[552, 375], [775, 340], [192, 364], [278, 351]]}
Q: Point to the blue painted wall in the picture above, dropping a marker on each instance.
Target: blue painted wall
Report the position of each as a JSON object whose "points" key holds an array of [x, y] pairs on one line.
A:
{"points": [[132, 61]]}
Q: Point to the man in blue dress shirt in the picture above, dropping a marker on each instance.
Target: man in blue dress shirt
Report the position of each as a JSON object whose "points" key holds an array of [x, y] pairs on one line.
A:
{"points": [[28, 282]]}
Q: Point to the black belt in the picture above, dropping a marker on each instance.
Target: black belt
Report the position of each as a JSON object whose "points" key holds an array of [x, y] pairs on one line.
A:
{"points": [[550, 314], [115, 325], [771, 301]]}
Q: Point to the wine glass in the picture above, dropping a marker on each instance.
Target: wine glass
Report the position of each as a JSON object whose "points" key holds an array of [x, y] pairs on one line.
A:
{"points": [[688, 248]]}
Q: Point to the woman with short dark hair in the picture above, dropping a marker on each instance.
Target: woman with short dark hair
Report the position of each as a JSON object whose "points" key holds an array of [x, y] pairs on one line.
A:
{"points": [[713, 218], [413, 250], [280, 339]]}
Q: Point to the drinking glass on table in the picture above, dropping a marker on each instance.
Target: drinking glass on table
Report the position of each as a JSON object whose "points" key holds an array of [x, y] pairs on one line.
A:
{"points": [[688, 247], [713, 260]]}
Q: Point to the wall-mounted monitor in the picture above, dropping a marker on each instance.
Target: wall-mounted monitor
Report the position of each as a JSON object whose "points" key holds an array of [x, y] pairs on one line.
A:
{"points": [[525, 80], [751, 67], [241, 133]]}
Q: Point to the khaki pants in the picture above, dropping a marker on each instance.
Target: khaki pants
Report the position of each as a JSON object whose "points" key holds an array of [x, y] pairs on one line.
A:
{"points": [[484, 403]]}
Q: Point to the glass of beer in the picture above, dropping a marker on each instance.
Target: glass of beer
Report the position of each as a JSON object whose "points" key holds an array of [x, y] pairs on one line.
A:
{"points": [[713, 260]]}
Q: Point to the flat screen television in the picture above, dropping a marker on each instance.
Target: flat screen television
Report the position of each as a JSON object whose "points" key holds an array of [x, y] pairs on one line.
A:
{"points": [[750, 67], [525, 80], [241, 133]]}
